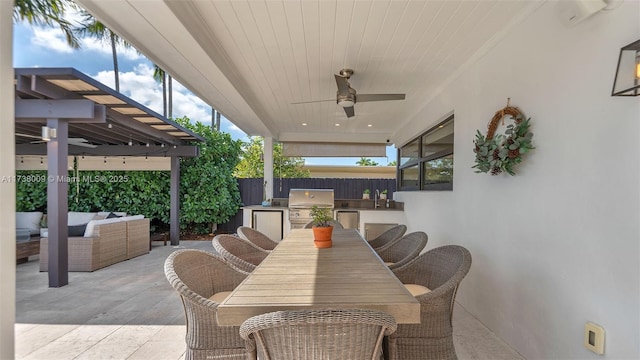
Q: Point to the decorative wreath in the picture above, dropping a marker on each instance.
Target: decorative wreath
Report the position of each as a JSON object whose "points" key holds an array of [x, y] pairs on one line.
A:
{"points": [[498, 153]]}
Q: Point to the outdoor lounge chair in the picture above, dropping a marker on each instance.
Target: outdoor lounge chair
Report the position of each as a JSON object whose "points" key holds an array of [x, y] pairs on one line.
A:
{"points": [[240, 253], [324, 334], [387, 237], [403, 250], [203, 280], [256, 237], [438, 272]]}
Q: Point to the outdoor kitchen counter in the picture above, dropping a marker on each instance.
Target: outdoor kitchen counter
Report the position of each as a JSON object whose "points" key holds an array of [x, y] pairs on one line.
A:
{"points": [[381, 215], [283, 208], [260, 207]]}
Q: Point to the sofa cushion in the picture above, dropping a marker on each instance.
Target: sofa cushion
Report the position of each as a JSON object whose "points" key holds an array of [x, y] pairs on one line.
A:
{"points": [[79, 218], [132, 217], [105, 213], [76, 230], [89, 231], [99, 217], [29, 220]]}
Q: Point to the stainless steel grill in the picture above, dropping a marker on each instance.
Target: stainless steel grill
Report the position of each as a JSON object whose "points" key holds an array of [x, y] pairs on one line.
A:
{"points": [[302, 200]]}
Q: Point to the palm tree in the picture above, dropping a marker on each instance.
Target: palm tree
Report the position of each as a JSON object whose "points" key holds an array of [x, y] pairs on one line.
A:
{"points": [[366, 162], [46, 12], [90, 26], [161, 76]]}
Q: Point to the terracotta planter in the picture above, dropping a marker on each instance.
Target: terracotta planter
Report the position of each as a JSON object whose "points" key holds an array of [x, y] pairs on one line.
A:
{"points": [[322, 236]]}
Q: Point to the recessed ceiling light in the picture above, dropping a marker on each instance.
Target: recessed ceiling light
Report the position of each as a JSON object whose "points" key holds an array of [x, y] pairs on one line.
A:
{"points": [[304, 124], [369, 125], [337, 124], [441, 126]]}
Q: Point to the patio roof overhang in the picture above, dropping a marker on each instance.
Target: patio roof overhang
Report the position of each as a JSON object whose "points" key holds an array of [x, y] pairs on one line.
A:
{"points": [[79, 115], [110, 123]]}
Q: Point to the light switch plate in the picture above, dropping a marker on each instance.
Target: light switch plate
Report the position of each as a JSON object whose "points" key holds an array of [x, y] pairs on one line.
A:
{"points": [[594, 338]]}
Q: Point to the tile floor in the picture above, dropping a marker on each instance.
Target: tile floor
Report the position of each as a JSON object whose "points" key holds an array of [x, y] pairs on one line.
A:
{"points": [[129, 311]]}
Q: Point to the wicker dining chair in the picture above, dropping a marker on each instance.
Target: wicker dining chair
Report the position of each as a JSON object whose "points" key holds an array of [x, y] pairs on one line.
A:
{"points": [[403, 250], [203, 280], [387, 237], [256, 237], [335, 223], [439, 272], [239, 252], [322, 334]]}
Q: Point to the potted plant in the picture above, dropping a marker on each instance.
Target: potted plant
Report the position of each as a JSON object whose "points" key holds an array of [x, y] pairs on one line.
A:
{"points": [[383, 194], [365, 194], [321, 227]]}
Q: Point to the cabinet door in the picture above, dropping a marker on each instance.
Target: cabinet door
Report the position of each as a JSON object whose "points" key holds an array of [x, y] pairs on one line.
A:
{"points": [[268, 222], [348, 219]]}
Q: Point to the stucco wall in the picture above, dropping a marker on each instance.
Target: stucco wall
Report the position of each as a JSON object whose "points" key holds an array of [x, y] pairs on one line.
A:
{"points": [[7, 187], [557, 245]]}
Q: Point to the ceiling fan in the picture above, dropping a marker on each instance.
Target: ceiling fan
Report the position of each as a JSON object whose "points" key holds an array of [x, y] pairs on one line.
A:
{"points": [[346, 96], [72, 141]]}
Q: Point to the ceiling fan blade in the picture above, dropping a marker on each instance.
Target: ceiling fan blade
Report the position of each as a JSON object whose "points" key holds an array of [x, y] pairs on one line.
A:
{"points": [[343, 85], [83, 144], [349, 111], [379, 97], [29, 136], [312, 101]]}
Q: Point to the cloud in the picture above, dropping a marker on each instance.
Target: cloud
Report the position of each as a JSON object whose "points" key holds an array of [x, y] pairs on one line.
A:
{"points": [[92, 44], [51, 39], [140, 85]]}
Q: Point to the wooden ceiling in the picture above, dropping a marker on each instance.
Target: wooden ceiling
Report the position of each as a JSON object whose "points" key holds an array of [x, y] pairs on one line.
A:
{"points": [[252, 59]]}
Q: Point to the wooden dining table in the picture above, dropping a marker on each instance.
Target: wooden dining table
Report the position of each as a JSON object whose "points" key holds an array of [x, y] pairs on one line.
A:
{"points": [[297, 276]]}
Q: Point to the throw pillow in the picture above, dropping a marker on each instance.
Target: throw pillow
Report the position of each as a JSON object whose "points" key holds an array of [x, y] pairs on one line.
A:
{"points": [[112, 215], [77, 230]]}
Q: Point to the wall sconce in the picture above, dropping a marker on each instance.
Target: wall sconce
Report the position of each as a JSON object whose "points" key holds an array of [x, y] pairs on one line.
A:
{"points": [[48, 133], [627, 80]]}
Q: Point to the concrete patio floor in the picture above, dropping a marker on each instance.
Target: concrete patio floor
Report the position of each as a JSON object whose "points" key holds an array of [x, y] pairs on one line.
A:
{"points": [[129, 311]]}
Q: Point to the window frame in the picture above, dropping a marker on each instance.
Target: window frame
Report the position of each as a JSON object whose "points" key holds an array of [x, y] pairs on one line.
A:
{"points": [[421, 160]]}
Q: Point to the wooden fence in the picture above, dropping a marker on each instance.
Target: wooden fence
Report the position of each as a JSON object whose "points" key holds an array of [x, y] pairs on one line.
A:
{"points": [[251, 191]]}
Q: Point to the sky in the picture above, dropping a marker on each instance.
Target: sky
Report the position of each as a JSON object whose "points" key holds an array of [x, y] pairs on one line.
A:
{"points": [[36, 46]]}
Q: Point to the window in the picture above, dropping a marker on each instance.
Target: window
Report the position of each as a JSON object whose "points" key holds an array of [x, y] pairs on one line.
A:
{"points": [[426, 162]]}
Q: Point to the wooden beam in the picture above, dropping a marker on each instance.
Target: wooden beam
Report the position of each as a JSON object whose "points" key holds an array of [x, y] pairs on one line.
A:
{"points": [[127, 121], [174, 211], [58, 109], [57, 205], [115, 150], [100, 117]]}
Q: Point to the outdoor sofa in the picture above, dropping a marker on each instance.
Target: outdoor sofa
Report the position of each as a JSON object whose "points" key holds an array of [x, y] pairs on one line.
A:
{"points": [[103, 243]]}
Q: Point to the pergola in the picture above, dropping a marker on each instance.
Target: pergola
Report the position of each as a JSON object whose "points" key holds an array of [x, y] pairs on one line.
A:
{"points": [[61, 112]]}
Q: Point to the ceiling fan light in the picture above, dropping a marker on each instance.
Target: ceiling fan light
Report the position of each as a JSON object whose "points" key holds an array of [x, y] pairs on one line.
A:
{"points": [[346, 103], [48, 133]]}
